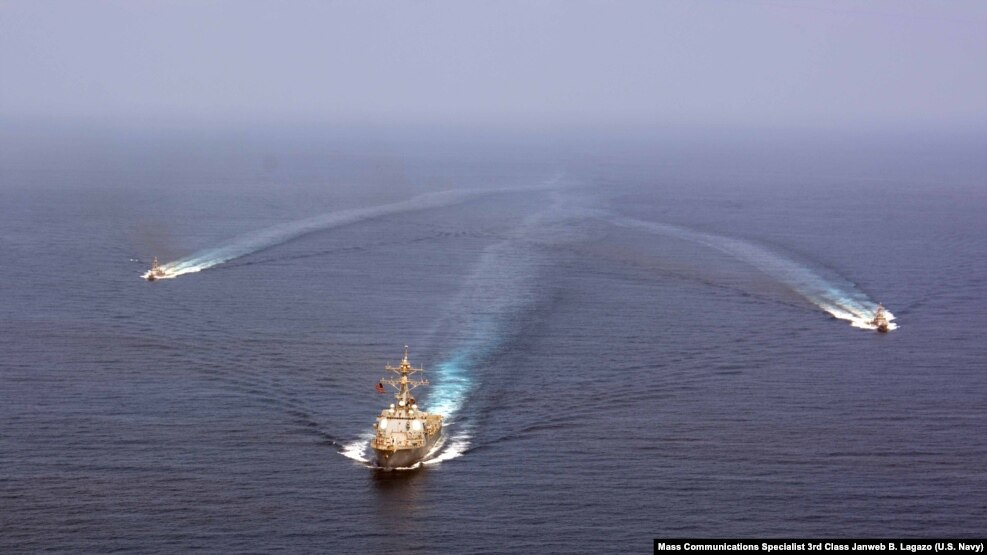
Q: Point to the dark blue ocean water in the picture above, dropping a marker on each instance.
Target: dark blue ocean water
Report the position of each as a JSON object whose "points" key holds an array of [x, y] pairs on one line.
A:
{"points": [[629, 342]]}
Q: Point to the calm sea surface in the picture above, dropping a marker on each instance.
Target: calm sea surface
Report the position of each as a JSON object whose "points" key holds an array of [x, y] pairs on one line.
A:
{"points": [[628, 343]]}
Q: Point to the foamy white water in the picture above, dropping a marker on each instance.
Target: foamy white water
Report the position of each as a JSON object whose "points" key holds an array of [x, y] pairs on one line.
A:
{"points": [[446, 399], [454, 448], [446, 449], [838, 297], [359, 449]]}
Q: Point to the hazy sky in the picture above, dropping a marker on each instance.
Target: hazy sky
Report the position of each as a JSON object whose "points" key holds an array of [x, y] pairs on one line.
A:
{"points": [[817, 63]]}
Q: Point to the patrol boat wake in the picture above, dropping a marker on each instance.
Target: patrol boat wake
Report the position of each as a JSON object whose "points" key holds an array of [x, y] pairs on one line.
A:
{"points": [[403, 435]]}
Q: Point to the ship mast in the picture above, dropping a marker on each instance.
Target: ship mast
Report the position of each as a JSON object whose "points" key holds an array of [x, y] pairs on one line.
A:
{"points": [[404, 384]]}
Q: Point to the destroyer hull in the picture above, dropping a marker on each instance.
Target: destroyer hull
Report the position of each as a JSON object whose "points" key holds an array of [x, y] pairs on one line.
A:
{"points": [[403, 458]]}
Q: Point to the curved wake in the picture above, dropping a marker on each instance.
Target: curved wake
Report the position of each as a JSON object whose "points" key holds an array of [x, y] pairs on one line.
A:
{"points": [[837, 296], [269, 237]]}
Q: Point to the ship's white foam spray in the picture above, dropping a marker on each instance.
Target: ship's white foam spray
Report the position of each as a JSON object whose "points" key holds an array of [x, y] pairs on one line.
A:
{"points": [[445, 449], [835, 295], [269, 237], [359, 449]]}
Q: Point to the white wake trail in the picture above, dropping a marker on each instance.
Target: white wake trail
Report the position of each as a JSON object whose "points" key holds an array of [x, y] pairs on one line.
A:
{"points": [[269, 237], [501, 285], [838, 297]]}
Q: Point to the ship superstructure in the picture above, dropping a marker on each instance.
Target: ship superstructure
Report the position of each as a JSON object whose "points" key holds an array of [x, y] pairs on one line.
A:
{"points": [[155, 272], [880, 321], [403, 433]]}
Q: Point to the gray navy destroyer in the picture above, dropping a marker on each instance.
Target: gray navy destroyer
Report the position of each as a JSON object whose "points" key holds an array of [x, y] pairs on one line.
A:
{"points": [[404, 434]]}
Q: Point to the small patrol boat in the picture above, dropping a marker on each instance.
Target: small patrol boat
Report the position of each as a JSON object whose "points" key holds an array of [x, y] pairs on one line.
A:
{"points": [[404, 434], [155, 272], [880, 321]]}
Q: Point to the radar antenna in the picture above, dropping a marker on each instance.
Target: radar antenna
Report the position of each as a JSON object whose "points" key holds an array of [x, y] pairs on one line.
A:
{"points": [[403, 383]]}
